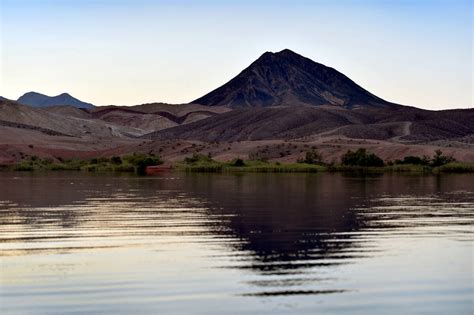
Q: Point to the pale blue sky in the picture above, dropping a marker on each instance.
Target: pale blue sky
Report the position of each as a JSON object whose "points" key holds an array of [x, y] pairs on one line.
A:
{"points": [[130, 52]]}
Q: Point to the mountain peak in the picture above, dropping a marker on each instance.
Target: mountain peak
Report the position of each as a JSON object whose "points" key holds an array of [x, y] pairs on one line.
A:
{"points": [[287, 78], [287, 51], [36, 99], [32, 93]]}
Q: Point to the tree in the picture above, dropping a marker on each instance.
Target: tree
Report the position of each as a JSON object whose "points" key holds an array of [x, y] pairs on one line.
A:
{"points": [[148, 161], [141, 161], [439, 159], [415, 160], [312, 157], [239, 162]]}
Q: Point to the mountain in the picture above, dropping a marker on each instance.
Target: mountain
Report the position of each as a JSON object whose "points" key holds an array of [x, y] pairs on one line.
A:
{"points": [[287, 78], [248, 124], [102, 122], [40, 100], [277, 108], [61, 122], [399, 124]]}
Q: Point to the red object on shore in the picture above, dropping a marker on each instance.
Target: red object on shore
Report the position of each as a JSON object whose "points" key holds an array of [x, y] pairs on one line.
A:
{"points": [[155, 169]]}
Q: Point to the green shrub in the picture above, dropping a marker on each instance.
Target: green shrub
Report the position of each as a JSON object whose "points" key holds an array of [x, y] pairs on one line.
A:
{"points": [[439, 159], [238, 162], [99, 160], [361, 158], [414, 160], [455, 167], [258, 156], [23, 166], [65, 167], [312, 157], [195, 158], [90, 167], [134, 162], [47, 161], [124, 168], [138, 159], [116, 160], [149, 161]]}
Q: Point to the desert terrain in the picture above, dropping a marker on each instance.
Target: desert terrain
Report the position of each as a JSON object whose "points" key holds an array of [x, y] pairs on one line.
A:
{"points": [[278, 108]]}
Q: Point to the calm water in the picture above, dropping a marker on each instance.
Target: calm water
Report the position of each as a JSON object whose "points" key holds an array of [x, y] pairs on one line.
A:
{"points": [[241, 244]]}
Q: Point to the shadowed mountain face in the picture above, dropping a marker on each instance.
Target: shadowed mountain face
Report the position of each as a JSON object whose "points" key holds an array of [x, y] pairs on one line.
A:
{"points": [[286, 78], [287, 122], [41, 100]]}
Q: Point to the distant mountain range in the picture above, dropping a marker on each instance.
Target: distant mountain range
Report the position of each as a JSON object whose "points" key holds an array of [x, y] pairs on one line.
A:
{"points": [[40, 100], [287, 78], [284, 78]]}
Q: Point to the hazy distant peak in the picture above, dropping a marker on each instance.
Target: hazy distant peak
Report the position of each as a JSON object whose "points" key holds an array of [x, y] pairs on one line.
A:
{"points": [[31, 93], [40, 100]]}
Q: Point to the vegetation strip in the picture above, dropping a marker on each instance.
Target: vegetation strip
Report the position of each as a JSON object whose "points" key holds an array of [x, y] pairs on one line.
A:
{"points": [[353, 161]]}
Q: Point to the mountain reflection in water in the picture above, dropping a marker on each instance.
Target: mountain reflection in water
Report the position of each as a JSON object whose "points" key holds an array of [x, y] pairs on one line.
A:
{"points": [[259, 235]]}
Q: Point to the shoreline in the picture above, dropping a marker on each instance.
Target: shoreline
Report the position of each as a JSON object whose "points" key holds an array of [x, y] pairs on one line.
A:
{"points": [[258, 167], [360, 161]]}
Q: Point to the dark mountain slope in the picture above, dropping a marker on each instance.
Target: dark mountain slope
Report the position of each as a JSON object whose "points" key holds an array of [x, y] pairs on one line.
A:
{"points": [[305, 121], [262, 123], [286, 78], [40, 100]]}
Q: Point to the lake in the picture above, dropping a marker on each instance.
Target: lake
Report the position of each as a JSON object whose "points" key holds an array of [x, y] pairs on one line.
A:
{"points": [[236, 244]]}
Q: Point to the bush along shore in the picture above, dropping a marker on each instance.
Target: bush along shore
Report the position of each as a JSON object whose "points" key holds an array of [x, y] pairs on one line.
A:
{"points": [[136, 163], [204, 163], [352, 161]]}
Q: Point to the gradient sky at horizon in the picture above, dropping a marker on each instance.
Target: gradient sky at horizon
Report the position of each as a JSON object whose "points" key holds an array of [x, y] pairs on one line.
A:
{"points": [[124, 52]]}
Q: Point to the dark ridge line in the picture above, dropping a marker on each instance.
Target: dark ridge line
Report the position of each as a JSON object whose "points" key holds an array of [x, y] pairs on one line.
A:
{"points": [[102, 112], [49, 132], [181, 119], [177, 119]]}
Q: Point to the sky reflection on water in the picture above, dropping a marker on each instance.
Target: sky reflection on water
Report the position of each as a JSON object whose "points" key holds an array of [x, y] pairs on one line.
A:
{"points": [[250, 243]]}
